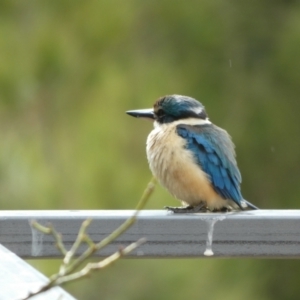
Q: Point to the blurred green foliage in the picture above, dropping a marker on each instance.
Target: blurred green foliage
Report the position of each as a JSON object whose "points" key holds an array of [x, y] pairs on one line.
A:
{"points": [[70, 69]]}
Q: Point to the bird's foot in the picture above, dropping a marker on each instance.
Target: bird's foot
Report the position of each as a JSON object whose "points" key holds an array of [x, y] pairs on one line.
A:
{"points": [[223, 209], [187, 209]]}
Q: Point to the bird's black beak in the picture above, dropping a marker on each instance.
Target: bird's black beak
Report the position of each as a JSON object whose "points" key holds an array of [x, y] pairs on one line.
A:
{"points": [[142, 113]]}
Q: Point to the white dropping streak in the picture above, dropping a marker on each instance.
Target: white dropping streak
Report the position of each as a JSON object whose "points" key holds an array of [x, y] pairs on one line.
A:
{"points": [[37, 241], [210, 224]]}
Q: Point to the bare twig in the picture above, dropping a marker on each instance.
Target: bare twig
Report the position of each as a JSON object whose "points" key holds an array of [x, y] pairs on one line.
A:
{"points": [[51, 230], [101, 264], [70, 264], [80, 238], [120, 230]]}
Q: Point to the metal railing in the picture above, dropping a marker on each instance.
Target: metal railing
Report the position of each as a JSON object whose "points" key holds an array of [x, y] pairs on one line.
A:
{"points": [[255, 234]]}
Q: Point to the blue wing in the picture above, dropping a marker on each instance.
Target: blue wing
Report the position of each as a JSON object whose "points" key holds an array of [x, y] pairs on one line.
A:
{"points": [[214, 152]]}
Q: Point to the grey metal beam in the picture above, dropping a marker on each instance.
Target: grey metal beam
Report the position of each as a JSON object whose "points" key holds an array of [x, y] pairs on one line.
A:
{"points": [[262, 233], [18, 279]]}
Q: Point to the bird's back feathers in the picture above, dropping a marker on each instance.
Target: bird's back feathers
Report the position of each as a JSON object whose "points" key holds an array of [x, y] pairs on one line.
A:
{"points": [[214, 152]]}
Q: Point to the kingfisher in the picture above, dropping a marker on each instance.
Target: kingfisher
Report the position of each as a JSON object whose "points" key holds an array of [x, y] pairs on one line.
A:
{"points": [[191, 157]]}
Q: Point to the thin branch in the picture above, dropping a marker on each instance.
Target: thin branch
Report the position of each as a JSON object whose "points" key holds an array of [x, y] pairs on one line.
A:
{"points": [[101, 264], [120, 230], [51, 230], [70, 263], [70, 254]]}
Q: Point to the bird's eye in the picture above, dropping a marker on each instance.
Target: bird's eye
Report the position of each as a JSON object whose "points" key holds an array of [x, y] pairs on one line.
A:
{"points": [[160, 113]]}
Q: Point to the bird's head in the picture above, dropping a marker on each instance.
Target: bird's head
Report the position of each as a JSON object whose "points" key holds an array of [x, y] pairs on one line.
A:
{"points": [[172, 108]]}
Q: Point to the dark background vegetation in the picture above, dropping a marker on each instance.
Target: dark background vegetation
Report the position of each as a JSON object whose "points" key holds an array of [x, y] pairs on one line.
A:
{"points": [[69, 70]]}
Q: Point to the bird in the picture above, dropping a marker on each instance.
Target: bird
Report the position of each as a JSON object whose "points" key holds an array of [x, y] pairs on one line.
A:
{"points": [[191, 157]]}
